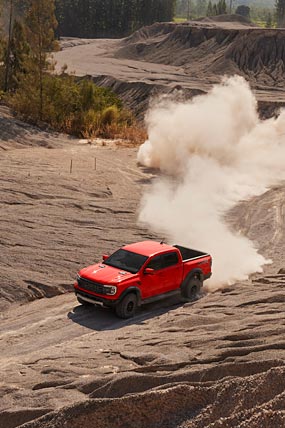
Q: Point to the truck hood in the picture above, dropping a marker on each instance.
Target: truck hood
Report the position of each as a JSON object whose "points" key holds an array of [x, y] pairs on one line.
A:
{"points": [[105, 274]]}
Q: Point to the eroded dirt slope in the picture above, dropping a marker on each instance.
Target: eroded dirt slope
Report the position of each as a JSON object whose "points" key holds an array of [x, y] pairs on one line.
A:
{"points": [[191, 57], [216, 362], [212, 48]]}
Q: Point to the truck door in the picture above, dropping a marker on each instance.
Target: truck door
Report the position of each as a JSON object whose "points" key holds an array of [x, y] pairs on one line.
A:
{"points": [[152, 283], [172, 271]]}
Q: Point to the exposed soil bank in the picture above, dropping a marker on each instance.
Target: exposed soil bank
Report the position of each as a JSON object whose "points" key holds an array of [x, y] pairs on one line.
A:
{"points": [[189, 57]]}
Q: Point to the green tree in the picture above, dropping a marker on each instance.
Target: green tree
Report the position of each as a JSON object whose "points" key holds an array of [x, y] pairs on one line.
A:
{"points": [[110, 18], [201, 7], [40, 23], [19, 53], [210, 11], [185, 8], [231, 6], [189, 9], [221, 7], [243, 11], [10, 5], [269, 20], [13, 9], [280, 12]]}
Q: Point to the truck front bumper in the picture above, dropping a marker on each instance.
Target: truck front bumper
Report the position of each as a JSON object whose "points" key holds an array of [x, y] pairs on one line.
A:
{"points": [[95, 300]]}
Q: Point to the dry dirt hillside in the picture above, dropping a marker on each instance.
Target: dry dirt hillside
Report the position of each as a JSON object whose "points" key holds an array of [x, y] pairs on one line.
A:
{"points": [[166, 57], [209, 48], [217, 362]]}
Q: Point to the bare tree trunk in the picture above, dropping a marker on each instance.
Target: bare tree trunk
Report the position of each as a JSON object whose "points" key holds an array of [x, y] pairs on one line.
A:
{"points": [[231, 6], [41, 86], [41, 65], [188, 10], [7, 65]]}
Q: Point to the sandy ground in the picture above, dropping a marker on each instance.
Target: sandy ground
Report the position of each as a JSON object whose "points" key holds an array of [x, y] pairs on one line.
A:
{"points": [[216, 362], [54, 220], [98, 57]]}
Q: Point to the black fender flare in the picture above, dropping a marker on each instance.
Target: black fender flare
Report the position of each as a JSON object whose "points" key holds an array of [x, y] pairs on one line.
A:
{"points": [[129, 290]]}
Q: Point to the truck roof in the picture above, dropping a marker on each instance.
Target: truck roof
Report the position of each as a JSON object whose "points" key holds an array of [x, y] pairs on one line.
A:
{"points": [[148, 248]]}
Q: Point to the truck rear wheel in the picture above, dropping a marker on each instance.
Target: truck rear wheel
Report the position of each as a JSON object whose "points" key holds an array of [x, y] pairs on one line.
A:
{"points": [[192, 289], [126, 308]]}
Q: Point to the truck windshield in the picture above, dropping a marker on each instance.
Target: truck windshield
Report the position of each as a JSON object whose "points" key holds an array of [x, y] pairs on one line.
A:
{"points": [[126, 260]]}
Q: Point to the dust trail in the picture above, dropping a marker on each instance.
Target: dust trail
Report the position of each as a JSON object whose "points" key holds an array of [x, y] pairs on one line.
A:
{"points": [[214, 151]]}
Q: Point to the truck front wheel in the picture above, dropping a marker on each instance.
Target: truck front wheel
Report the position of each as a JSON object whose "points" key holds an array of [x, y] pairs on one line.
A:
{"points": [[192, 289], [126, 308]]}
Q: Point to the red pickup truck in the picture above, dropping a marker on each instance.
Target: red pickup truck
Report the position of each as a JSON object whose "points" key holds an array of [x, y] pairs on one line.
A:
{"points": [[141, 273]]}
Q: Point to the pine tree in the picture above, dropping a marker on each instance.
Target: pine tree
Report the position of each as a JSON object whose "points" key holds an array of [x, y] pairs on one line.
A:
{"points": [[41, 24], [243, 11], [210, 9], [231, 2], [109, 18], [20, 51], [269, 21], [201, 7], [221, 7], [280, 12], [10, 6]]}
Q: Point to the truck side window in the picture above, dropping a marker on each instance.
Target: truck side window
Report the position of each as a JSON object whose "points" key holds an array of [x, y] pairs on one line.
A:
{"points": [[155, 263], [169, 259]]}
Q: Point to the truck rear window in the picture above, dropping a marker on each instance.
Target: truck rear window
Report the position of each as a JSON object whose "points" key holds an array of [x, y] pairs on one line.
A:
{"points": [[170, 259], [163, 261], [126, 260]]}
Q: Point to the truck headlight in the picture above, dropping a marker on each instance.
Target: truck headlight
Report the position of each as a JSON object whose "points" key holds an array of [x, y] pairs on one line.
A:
{"points": [[111, 290]]}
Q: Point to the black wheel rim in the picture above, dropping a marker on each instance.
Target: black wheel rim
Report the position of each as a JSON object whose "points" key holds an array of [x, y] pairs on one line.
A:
{"points": [[130, 306]]}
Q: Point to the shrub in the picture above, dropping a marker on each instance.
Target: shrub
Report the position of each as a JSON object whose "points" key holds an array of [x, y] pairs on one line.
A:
{"points": [[77, 107], [110, 115]]}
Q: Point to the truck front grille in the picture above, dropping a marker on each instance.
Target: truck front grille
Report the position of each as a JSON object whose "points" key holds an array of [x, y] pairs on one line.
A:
{"points": [[91, 286]]}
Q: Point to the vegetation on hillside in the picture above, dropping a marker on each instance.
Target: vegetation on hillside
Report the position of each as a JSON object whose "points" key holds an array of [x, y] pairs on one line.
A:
{"points": [[263, 12], [34, 92], [280, 13], [109, 18], [77, 106]]}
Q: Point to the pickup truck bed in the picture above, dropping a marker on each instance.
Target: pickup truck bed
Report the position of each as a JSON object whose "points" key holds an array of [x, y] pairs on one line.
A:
{"points": [[188, 253]]}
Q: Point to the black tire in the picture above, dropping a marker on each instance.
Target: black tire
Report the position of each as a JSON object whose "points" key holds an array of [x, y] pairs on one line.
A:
{"points": [[126, 308], [192, 288], [83, 302]]}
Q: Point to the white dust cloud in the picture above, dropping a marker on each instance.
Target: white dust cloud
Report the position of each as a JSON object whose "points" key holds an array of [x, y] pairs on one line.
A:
{"points": [[214, 151]]}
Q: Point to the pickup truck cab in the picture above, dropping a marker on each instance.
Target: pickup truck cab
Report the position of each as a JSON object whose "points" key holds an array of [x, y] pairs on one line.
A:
{"points": [[142, 273]]}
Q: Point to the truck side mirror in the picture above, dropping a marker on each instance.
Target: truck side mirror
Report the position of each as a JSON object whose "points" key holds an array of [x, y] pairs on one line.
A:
{"points": [[149, 271], [105, 257]]}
